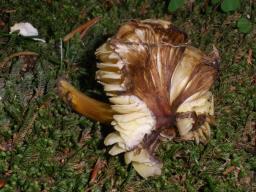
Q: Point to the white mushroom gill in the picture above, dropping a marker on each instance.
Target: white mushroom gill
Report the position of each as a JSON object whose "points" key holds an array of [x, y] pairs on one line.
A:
{"points": [[133, 119], [200, 104]]}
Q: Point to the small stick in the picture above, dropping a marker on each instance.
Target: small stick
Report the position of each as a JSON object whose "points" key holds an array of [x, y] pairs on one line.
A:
{"points": [[97, 168], [8, 10], [82, 29], [249, 57], [229, 170], [7, 59]]}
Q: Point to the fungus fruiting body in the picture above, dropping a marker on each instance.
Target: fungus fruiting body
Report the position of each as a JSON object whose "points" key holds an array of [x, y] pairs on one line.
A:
{"points": [[158, 86]]}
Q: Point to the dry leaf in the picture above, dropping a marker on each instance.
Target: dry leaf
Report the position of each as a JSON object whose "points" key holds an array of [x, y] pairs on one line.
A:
{"points": [[2, 24], [2, 183]]}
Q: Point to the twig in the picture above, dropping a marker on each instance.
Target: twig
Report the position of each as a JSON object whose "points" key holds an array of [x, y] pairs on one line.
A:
{"points": [[61, 55], [249, 57], [97, 168], [7, 10], [229, 170], [7, 59], [82, 29]]}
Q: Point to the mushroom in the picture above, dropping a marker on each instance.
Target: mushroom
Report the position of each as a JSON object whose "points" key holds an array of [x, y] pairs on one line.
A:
{"points": [[158, 87]]}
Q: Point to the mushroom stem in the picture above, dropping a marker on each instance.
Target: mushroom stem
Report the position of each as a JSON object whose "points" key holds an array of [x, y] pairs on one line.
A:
{"points": [[83, 104]]}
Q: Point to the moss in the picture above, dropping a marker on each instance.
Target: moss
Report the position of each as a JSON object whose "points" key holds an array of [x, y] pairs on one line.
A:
{"points": [[57, 148]]}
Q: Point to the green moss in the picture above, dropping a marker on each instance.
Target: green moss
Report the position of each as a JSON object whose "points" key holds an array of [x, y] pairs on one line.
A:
{"points": [[50, 154]]}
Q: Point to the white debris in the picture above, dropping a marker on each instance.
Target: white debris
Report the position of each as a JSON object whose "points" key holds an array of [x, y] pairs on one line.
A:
{"points": [[25, 29], [38, 39]]}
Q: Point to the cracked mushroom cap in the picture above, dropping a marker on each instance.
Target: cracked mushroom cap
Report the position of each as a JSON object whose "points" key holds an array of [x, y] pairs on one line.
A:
{"points": [[158, 86]]}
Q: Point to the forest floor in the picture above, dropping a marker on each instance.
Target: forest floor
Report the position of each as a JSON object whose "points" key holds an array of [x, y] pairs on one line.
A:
{"points": [[45, 146]]}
